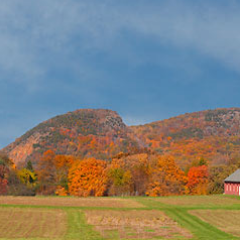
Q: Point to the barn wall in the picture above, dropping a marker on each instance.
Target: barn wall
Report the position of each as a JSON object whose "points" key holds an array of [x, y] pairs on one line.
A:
{"points": [[232, 188]]}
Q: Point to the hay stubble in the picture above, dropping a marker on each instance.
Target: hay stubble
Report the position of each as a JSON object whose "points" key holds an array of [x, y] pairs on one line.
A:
{"points": [[71, 202], [138, 224], [200, 201], [226, 220], [32, 223]]}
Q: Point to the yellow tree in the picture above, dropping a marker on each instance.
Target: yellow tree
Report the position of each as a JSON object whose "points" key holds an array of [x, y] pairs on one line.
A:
{"points": [[128, 174]]}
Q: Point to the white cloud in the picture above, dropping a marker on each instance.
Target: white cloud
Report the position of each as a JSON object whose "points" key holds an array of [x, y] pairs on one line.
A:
{"points": [[34, 34], [209, 29]]}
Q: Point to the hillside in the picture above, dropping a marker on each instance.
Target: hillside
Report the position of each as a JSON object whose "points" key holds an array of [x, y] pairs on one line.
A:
{"points": [[84, 133], [212, 134]]}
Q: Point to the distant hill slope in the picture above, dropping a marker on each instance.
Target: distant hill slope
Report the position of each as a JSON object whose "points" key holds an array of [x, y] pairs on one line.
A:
{"points": [[85, 133], [212, 134]]}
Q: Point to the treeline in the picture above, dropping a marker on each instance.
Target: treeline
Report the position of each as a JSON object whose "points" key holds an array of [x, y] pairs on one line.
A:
{"points": [[136, 174], [15, 181]]}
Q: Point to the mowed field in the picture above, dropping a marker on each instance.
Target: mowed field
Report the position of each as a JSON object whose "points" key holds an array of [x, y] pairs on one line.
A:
{"points": [[185, 217]]}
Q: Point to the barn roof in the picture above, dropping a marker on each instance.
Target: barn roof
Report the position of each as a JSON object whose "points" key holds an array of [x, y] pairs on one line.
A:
{"points": [[235, 177]]}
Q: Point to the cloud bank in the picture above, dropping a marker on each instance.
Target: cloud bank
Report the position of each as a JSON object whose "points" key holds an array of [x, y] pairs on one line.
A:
{"points": [[66, 54], [34, 31]]}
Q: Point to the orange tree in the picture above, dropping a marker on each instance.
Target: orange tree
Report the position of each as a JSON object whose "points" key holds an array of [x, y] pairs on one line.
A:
{"points": [[166, 178], [88, 178], [198, 180]]}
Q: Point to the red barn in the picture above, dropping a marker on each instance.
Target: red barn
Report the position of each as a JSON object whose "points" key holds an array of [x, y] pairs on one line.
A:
{"points": [[232, 184]]}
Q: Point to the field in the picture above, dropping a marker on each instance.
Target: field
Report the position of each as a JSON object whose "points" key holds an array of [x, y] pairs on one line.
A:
{"points": [[186, 217]]}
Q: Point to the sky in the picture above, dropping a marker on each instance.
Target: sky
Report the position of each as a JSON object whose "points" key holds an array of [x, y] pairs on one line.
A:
{"points": [[147, 60]]}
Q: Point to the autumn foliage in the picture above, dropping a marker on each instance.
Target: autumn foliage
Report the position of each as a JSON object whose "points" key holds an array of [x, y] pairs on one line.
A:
{"points": [[198, 180], [14, 181], [212, 134], [5, 165], [52, 172], [128, 174], [188, 154], [3, 180], [166, 178], [141, 173], [88, 178]]}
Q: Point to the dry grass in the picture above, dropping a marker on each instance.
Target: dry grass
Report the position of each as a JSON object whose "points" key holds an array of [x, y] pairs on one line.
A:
{"points": [[226, 220], [32, 223], [138, 224], [71, 202], [206, 201]]}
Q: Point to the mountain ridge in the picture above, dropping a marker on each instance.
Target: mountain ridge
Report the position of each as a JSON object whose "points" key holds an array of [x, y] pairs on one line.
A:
{"points": [[209, 134], [101, 133], [67, 133]]}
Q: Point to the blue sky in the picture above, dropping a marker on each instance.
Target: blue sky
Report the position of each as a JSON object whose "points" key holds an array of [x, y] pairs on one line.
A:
{"points": [[147, 60]]}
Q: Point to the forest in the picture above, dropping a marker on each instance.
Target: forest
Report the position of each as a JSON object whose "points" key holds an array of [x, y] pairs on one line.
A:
{"points": [[93, 153], [142, 173]]}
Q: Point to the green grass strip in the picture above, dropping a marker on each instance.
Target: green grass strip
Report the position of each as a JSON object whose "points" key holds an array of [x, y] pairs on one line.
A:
{"points": [[78, 228], [199, 228]]}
